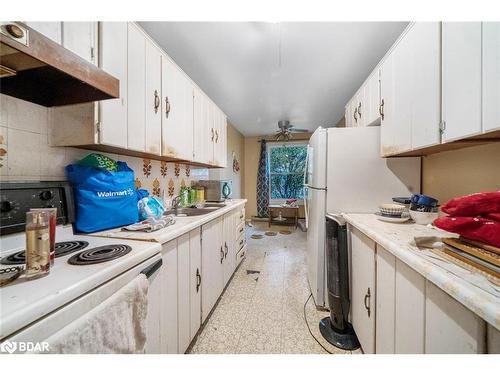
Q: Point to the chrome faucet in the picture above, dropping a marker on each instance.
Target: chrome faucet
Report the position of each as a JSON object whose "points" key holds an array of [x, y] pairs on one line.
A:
{"points": [[175, 202]]}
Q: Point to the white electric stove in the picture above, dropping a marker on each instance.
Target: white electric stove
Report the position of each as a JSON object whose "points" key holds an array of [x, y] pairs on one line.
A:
{"points": [[87, 269]]}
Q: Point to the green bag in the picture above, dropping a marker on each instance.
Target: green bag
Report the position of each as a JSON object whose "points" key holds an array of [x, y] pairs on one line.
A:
{"points": [[99, 161]]}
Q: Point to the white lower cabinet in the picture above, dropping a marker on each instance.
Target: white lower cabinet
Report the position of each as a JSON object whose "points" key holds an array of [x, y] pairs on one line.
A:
{"points": [[449, 326], [212, 257], [195, 281], [409, 311], [153, 322], [229, 263], [363, 289], [385, 306], [168, 322], [183, 293]]}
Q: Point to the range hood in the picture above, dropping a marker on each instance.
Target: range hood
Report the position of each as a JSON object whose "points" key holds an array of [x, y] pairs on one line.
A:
{"points": [[36, 69]]}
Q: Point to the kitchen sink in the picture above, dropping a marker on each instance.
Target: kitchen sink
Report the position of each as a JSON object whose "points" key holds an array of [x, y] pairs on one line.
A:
{"points": [[180, 212]]}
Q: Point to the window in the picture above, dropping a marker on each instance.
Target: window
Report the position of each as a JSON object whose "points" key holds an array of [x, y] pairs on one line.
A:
{"points": [[286, 163]]}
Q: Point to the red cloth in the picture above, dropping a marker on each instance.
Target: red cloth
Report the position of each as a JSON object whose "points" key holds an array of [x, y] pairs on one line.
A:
{"points": [[473, 205], [493, 216], [473, 228]]}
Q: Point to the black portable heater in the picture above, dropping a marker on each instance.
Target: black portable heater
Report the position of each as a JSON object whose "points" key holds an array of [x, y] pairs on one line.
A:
{"points": [[335, 328]]}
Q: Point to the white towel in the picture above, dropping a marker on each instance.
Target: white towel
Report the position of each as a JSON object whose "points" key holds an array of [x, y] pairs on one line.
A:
{"points": [[118, 325]]}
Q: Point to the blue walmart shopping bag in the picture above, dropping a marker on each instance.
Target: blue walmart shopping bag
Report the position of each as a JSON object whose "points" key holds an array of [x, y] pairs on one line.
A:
{"points": [[103, 199]]}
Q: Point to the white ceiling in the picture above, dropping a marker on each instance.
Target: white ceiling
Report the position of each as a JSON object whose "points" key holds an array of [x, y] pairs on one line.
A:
{"points": [[259, 73]]}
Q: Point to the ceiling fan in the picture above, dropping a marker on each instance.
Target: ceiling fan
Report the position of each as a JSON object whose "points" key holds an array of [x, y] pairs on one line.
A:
{"points": [[286, 130]]}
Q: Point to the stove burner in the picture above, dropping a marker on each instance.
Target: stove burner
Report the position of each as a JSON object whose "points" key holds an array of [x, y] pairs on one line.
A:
{"points": [[68, 247], [99, 254], [62, 249]]}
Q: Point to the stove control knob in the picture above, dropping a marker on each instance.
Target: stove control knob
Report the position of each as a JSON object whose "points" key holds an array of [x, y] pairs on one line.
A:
{"points": [[5, 206], [46, 195]]}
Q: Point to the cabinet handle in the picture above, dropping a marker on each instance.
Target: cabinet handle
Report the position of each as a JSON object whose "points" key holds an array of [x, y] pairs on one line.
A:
{"points": [[157, 101], [241, 230], [225, 246], [359, 109], [381, 109], [212, 134], [241, 217], [167, 107], [367, 301], [355, 113], [216, 136], [222, 255], [198, 280], [241, 242]]}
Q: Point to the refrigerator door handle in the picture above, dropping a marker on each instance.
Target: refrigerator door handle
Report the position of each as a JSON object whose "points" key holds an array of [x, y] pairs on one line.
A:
{"points": [[305, 206]]}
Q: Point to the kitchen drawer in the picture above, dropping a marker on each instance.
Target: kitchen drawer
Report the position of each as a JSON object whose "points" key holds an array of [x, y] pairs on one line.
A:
{"points": [[240, 255], [240, 229], [242, 241], [241, 217]]}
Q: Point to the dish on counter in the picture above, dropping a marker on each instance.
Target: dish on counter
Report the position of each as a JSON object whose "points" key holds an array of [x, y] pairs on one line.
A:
{"points": [[392, 219]]}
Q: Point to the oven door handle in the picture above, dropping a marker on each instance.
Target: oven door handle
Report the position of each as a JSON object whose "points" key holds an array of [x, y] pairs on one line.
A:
{"points": [[150, 270]]}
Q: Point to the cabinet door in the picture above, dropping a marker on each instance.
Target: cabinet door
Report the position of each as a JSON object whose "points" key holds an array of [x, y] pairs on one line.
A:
{"points": [[195, 281], [212, 126], [451, 328], [153, 320], [461, 83], [177, 119], [169, 332], [51, 30], [136, 89], [202, 145], [387, 105], [183, 293], [347, 116], [425, 77], [386, 286], [79, 37], [113, 59], [409, 311], [153, 99], [363, 289], [212, 265], [491, 76], [372, 99], [229, 245], [222, 141]]}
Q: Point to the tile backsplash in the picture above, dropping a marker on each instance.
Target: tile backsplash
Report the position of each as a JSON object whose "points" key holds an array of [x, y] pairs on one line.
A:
{"points": [[25, 153]]}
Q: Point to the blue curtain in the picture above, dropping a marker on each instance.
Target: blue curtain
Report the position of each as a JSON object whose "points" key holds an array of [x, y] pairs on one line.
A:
{"points": [[262, 182]]}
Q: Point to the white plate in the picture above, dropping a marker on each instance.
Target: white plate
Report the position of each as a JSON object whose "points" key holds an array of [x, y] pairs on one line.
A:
{"points": [[389, 219]]}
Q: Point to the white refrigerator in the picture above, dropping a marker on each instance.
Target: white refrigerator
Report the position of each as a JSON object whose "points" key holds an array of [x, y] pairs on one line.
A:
{"points": [[345, 174]]}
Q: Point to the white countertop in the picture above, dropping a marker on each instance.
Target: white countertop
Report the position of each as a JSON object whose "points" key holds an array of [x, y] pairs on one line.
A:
{"points": [[182, 225], [473, 290]]}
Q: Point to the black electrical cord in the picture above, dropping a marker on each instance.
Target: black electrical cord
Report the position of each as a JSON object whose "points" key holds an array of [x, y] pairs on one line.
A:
{"points": [[307, 324]]}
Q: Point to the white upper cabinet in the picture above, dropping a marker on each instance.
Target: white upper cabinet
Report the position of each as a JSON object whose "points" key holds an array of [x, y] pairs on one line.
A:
{"points": [[177, 118], [136, 135], [51, 30], [113, 59], [144, 88], [202, 144], [370, 108], [491, 76], [410, 91], [80, 37], [153, 99], [461, 83]]}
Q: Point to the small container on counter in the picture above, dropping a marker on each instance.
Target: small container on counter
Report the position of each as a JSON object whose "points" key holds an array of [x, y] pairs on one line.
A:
{"points": [[37, 244], [52, 212], [184, 197]]}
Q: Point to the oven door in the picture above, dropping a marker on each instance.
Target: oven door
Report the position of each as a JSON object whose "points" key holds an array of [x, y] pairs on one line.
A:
{"points": [[57, 320]]}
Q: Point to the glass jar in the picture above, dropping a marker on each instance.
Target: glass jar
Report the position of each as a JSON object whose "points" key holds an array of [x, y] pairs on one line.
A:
{"points": [[52, 212], [37, 244], [184, 197]]}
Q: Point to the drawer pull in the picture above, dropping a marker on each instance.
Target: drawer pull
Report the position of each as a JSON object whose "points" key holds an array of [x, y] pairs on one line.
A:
{"points": [[241, 242], [367, 301], [241, 230]]}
